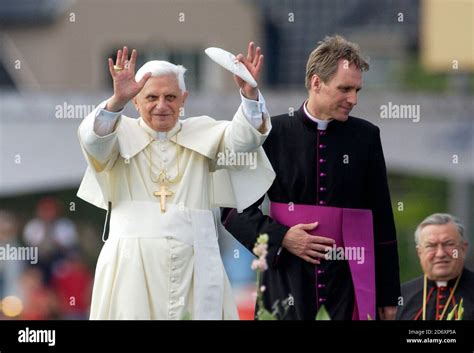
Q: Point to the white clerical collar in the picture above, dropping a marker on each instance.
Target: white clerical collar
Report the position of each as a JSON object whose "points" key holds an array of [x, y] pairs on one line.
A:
{"points": [[442, 283], [159, 135], [322, 124]]}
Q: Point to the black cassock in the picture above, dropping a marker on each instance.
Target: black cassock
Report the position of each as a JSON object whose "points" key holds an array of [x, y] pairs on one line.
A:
{"points": [[437, 297], [342, 166]]}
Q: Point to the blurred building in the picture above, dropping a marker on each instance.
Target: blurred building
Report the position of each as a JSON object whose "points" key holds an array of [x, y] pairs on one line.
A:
{"points": [[386, 30], [54, 45]]}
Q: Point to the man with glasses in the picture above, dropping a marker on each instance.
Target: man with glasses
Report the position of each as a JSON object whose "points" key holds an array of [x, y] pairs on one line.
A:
{"points": [[441, 246]]}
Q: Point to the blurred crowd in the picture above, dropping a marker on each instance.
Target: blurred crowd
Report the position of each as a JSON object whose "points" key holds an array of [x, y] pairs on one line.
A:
{"points": [[57, 284]]}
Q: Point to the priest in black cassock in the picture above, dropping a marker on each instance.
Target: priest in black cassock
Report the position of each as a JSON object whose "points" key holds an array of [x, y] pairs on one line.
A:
{"points": [[332, 238], [441, 247]]}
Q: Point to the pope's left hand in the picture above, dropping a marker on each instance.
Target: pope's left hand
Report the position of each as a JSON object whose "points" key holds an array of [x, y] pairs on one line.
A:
{"points": [[254, 63]]}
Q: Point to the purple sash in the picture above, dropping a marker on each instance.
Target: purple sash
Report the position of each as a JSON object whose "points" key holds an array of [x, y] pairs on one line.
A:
{"points": [[349, 228]]}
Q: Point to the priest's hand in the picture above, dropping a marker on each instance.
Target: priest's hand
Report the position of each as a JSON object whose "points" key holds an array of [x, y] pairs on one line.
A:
{"points": [[387, 312], [254, 63], [311, 248], [123, 75]]}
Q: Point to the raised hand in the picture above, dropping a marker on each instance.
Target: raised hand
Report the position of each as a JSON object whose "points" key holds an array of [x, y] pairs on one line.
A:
{"points": [[254, 63], [123, 75]]}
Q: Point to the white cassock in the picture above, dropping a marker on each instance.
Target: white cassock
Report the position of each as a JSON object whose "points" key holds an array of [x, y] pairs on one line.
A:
{"points": [[167, 265]]}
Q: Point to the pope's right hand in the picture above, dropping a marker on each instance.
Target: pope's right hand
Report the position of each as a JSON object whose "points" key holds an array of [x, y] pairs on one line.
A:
{"points": [[123, 75], [311, 248]]}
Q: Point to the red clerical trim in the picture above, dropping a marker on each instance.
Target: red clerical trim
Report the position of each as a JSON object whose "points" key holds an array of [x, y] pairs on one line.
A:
{"points": [[427, 301]]}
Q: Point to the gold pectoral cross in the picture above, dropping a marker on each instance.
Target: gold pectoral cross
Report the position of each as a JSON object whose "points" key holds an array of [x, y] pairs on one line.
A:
{"points": [[163, 194]]}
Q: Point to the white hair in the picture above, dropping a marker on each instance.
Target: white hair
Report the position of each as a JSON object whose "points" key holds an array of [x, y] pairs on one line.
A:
{"points": [[439, 219], [163, 68]]}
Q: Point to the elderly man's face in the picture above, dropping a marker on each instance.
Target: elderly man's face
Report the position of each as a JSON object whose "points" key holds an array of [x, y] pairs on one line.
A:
{"points": [[441, 251], [159, 102], [336, 98]]}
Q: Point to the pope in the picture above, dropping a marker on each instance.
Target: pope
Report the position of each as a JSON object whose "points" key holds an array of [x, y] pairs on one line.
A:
{"points": [[160, 178]]}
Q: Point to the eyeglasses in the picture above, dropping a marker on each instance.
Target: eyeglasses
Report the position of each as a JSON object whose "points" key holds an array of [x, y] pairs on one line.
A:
{"points": [[448, 246]]}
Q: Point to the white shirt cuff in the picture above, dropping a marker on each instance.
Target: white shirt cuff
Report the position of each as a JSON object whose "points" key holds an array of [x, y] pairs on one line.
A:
{"points": [[254, 109], [105, 120]]}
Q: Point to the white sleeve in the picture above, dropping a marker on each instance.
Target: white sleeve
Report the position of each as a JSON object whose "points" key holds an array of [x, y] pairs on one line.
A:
{"points": [[98, 137], [241, 135], [254, 110], [105, 121]]}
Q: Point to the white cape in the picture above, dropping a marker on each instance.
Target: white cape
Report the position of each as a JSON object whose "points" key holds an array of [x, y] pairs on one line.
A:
{"points": [[162, 266]]}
